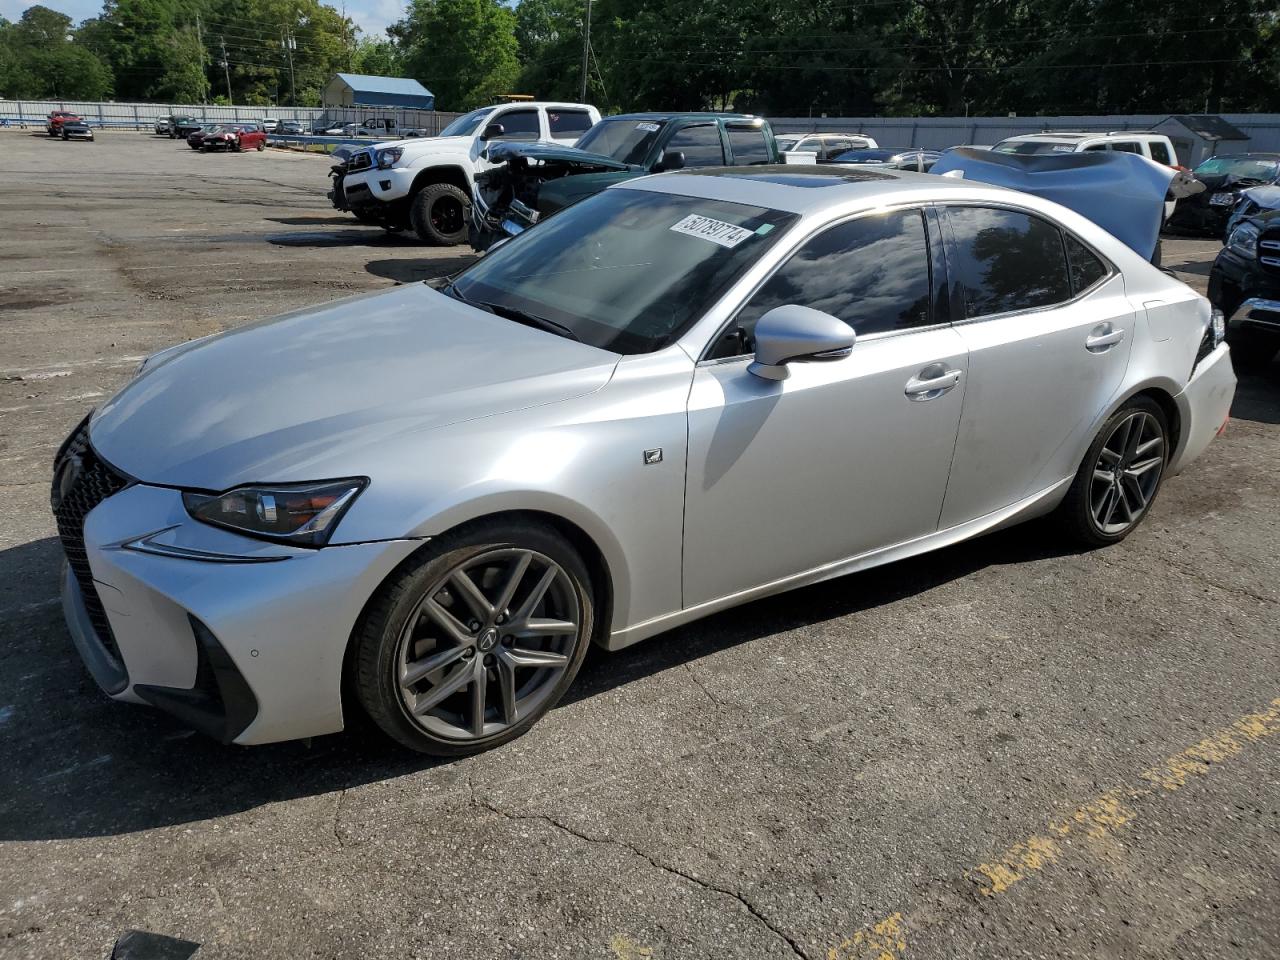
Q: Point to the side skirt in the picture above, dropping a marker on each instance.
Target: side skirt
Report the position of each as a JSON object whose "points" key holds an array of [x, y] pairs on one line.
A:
{"points": [[1035, 505]]}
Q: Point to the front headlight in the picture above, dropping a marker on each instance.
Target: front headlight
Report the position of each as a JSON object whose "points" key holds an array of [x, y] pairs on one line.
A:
{"points": [[387, 158], [1218, 326], [304, 514], [1243, 241]]}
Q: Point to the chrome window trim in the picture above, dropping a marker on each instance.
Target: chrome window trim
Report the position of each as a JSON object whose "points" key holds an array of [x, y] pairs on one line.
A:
{"points": [[1087, 291], [920, 205]]}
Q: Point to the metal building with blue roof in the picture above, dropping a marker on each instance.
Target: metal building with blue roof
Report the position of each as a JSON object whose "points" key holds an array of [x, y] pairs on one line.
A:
{"points": [[359, 90]]}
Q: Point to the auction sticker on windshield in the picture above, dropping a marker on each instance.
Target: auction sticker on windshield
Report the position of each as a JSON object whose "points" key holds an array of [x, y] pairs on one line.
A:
{"points": [[717, 231]]}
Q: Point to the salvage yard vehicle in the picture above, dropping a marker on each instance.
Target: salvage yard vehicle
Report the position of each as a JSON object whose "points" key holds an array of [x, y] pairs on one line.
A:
{"points": [[683, 393], [1225, 178], [427, 184], [531, 181], [183, 127], [163, 125], [75, 129], [235, 137], [196, 139], [913, 158], [1244, 284], [825, 146], [53, 126]]}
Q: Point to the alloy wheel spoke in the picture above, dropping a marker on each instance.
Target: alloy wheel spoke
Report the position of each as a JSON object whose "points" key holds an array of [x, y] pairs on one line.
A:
{"points": [[415, 671], [449, 685], [1132, 486], [1133, 433], [1139, 467], [446, 621], [540, 627], [471, 594], [507, 689], [535, 596], [1112, 502], [1149, 446], [533, 658], [479, 688], [518, 570], [1103, 476], [1108, 456]]}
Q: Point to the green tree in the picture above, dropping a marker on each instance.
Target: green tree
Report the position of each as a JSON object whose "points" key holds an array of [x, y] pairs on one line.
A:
{"points": [[376, 58], [549, 37], [40, 56], [463, 51]]}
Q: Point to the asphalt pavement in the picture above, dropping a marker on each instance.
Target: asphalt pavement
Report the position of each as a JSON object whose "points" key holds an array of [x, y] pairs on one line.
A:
{"points": [[1006, 748]]}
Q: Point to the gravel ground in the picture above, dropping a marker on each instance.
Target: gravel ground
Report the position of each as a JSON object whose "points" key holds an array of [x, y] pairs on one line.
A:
{"points": [[1001, 749]]}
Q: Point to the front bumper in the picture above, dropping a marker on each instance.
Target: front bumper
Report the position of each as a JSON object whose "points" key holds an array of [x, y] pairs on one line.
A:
{"points": [[1200, 216], [242, 638], [1204, 405], [375, 185]]}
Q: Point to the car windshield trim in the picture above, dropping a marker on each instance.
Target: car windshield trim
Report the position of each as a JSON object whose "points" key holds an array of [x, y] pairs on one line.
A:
{"points": [[467, 124], [625, 140], [629, 271]]}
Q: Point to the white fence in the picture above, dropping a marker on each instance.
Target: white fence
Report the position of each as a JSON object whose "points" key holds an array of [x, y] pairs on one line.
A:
{"points": [[32, 113]]}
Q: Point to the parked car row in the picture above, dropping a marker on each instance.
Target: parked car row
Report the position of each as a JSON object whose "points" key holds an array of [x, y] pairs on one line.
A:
{"points": [[68, 126], [234, 137]]}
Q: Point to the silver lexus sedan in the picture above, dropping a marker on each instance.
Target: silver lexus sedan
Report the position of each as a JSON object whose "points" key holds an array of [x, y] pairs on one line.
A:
{"points": [[684, 393]]}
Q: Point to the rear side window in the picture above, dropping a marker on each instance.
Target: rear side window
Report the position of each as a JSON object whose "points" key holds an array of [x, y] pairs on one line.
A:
{"points": [[1160, 153], [872, 273], [519, 125], [1127, 146], [700, 145], [568, 123], [1008, 260], [748, 145], [1086, 269]]}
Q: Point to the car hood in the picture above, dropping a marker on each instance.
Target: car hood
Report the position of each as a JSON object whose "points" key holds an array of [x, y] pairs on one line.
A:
{"points": [[419, 144], [305, 395], [502, 152]]}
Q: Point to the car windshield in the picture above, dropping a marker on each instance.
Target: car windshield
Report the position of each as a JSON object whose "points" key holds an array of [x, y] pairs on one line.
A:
{"points": [[626, 270], [786, 143], [467, 124], [868, 156], [1241, 168], [627, 141], [1035, 146]]}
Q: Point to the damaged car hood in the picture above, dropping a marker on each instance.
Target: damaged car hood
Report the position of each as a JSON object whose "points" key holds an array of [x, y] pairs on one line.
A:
{"points": [[538, 151], [320, 392]]}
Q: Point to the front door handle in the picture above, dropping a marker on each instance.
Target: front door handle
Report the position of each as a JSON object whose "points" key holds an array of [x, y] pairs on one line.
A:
{"points": [[1102, 338], [932, 382]]}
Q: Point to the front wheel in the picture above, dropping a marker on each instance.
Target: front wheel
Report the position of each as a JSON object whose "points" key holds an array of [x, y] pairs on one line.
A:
{"points": [[262, 145], [1120, 476], [439, 214], [468, 646]]}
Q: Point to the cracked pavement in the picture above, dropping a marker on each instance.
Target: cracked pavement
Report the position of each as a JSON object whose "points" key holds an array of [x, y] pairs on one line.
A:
{"points": [[819, 774]]}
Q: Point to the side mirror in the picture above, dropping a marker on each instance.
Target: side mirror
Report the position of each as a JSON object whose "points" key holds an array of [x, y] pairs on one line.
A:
{"points": [[796, 334], [670, 160], [493, 131]]}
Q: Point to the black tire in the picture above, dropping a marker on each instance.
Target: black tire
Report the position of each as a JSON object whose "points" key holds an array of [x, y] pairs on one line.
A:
{"points": [[65, 135], [439, 214], [376, 640], [262, 145], [1075, 514]]}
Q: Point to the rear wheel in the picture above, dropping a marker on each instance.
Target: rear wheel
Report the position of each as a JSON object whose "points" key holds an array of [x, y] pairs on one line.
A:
{"points": [[439, 214], [1120, 476], [262, 145], [470, 645]]}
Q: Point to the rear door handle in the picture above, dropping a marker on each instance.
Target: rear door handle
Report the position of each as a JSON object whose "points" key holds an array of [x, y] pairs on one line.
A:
{"points": [[932, 382], [1103, 338]]}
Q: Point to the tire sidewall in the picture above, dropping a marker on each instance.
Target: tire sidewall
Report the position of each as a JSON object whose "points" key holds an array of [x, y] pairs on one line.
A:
{"points": [[377, 637]]}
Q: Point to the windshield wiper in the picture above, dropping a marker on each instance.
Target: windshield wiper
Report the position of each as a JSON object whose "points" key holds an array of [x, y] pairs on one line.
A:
{"points": [[512, 313]]}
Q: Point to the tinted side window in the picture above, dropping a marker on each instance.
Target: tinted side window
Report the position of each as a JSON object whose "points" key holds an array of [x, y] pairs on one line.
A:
{"points": [[700, 145], [834, 146], [1007, 260], [1127, 146], [1096, 146], [519, 125], [568, 123], [1160, 153], [872, 273], [1086, 269], [748, 145]]}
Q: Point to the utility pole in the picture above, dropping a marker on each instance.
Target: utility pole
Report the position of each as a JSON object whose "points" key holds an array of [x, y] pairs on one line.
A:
{"points": [[204, 77], [226, 67], [290, 44], [586, 51]]}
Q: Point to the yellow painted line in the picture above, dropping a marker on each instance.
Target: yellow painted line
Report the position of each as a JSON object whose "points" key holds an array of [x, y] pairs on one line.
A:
{"points": [[1095, 821], [624, 948]]}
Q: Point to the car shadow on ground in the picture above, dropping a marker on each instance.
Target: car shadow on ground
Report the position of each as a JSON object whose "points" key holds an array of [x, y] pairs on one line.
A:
{"points": [[79, 765], [413, 271], [1258, 395], [352, 236], [337, 220]]}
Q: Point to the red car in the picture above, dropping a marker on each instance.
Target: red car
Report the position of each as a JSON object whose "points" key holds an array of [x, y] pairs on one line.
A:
{"points": [[56, 119], [236, 136]]}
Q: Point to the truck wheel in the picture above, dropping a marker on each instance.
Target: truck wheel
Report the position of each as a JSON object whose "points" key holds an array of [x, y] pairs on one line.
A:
{"points": [[439, 214]]}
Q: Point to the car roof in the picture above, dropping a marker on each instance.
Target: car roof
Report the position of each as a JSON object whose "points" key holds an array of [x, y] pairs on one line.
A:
{"points": [[1243, 156], [802, 188], [680, 115]]}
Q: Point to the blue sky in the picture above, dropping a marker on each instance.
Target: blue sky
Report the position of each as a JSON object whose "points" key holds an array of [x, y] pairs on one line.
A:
{"points": [[372, 16]]}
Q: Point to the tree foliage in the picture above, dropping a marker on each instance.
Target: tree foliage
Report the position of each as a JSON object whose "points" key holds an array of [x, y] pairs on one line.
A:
{"points": [[780, 57]]}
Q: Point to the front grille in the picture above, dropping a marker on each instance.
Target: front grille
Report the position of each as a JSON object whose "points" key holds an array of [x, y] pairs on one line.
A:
{"points": [[81, 481], [1269, 249], [359, 161]]}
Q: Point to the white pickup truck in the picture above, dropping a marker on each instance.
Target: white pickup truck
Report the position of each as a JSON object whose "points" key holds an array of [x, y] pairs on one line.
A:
{"points": [[426, 184]]}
